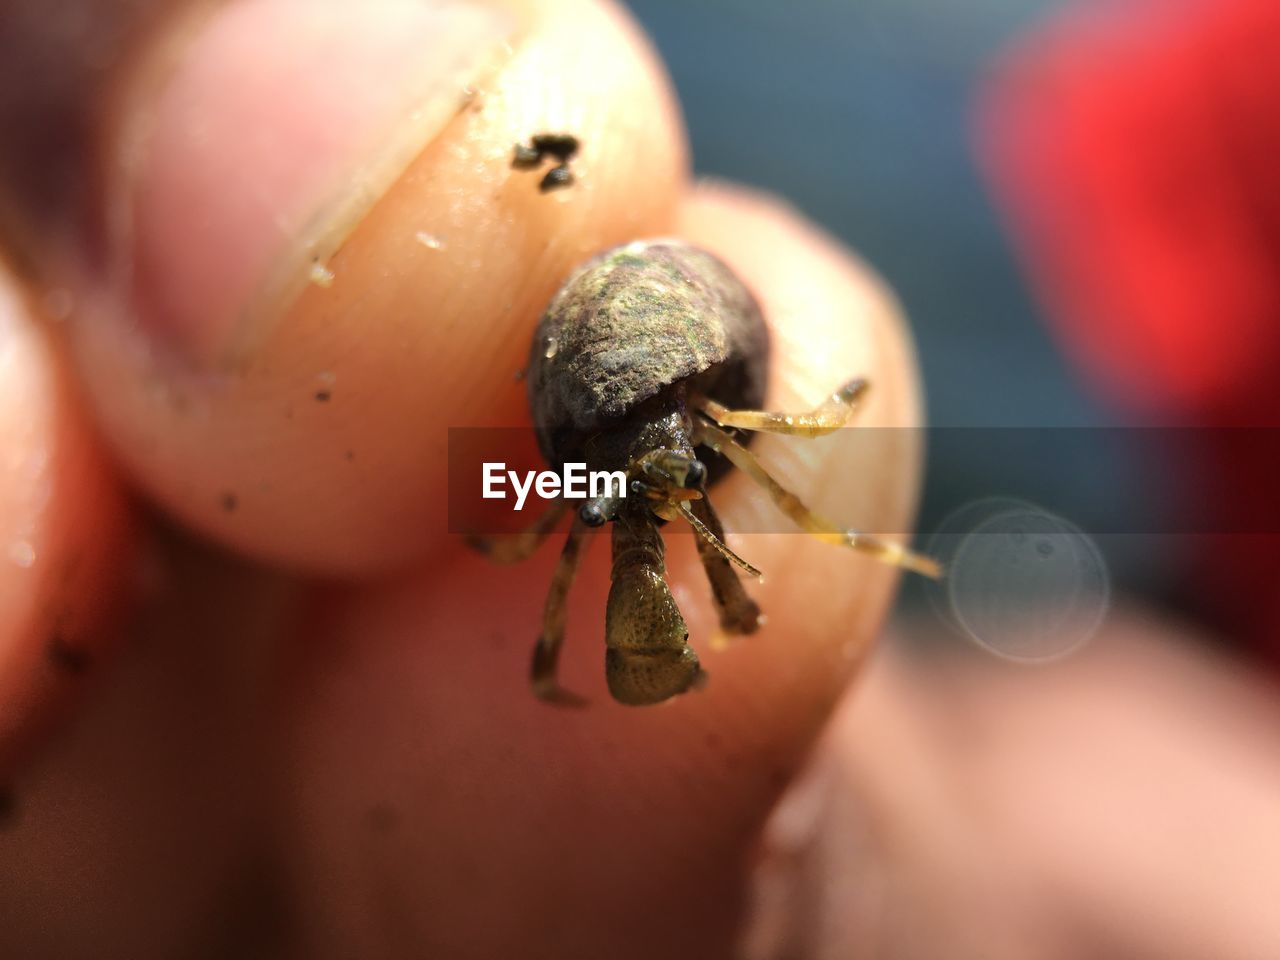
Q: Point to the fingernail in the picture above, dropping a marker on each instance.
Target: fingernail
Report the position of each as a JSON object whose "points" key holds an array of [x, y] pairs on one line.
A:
{"points": [[248, 152]]}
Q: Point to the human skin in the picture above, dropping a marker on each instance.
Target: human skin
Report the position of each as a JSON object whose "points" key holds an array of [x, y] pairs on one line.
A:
{"points": [[1119, 803], [311, 731], [300, 725]]}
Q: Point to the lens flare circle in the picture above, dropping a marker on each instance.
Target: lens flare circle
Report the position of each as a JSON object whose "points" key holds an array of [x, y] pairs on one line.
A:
{"points": [[1020, 582]]}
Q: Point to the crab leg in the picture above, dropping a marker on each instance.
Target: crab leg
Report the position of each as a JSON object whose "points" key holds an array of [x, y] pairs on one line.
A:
{"points": [[546, 652], [829, 416], [520, 546], [886, 552]]}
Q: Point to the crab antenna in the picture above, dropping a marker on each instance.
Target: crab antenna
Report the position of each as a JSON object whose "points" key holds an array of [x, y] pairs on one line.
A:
{"points": [[701, 529]]}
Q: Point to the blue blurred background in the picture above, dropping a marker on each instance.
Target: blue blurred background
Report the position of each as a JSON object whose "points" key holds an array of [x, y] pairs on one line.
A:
{"points": [[859, 113]]}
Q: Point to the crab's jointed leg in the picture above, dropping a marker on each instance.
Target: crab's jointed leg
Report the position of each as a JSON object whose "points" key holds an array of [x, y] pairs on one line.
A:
{"points": [[885, 551], [829, 416], [546, 652], [516, 547]]}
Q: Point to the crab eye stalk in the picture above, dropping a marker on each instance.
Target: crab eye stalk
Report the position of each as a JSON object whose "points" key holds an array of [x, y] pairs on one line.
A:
{"points": [[696, 475], [664, 470], [591, 515], [598, 511]]}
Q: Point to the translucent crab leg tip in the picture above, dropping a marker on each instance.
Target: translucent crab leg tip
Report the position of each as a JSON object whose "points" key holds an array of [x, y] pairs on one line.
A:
{"points": [[926, 566]]}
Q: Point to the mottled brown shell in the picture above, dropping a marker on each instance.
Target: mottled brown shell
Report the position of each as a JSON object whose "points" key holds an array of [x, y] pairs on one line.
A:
{"points": [[633, 321]]}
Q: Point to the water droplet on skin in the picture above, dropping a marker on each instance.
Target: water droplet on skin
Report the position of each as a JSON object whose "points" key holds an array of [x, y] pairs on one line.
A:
{"points": [[429, 240], [321, 275], [552, 347]]}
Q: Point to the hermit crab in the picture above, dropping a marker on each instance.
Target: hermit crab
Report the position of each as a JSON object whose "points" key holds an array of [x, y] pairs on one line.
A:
{"points": [[648, 352]]}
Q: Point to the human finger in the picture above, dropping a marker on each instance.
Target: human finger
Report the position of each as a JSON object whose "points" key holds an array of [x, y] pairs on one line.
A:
{"points": [[434, 801], [310, 254], [1120, 803], [67, 535]]}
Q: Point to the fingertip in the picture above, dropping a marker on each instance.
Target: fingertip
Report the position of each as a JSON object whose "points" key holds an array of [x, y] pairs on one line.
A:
{"points": [[66, 533], [831, 315], [313, 434], [831, 318], [676, 792]]}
